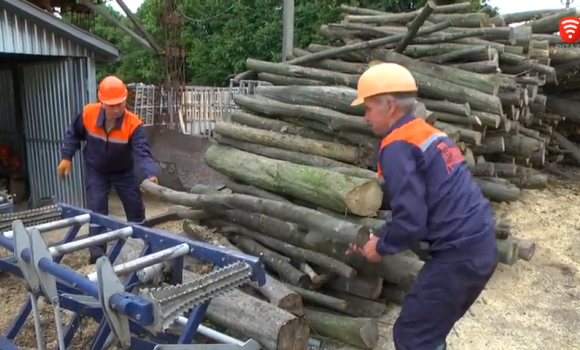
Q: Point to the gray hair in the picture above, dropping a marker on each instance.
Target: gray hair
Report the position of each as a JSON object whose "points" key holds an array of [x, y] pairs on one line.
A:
{"points": [[406, 101]]}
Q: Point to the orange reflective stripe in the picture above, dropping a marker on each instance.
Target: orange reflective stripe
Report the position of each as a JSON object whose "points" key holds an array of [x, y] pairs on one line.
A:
{"points": [[122, 135], [416, 132]]}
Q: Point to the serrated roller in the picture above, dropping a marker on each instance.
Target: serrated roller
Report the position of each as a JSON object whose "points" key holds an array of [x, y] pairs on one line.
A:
{"points": [[171, 302]]}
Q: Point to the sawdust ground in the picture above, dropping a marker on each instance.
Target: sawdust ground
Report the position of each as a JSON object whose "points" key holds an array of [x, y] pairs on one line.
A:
{"points": [[13, 290], [530, 306]]}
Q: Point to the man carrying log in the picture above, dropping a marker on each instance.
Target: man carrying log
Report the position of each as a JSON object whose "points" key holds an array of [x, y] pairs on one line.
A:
{"points": [[437, 211]]}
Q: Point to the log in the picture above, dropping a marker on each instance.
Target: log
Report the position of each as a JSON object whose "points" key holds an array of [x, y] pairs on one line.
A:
{"points": [[273, 260], [490, 145], [335, 52], [448, 107], [293, 71], [507, 251], [573, 151], [481, 67], [254, 121], [308, 218], [285, 80], [333, 121], [521, 146], [362, 286], [337, 98], [315, 298], [565, 107], [469, 20], [498, 192], [282, 154], [360, 307], [470, 136], [332, 65], [273, 328], [526, 249], [326, 188], [416, 24], [399, 269], [360, 332], [276, 293], [487, 84], [253, 191], [331, 150], [296, 253]]}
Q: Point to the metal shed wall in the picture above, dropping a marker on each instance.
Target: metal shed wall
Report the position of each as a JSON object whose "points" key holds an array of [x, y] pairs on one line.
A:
{"points": [[53, 94], [8, 131], [20, 36]]}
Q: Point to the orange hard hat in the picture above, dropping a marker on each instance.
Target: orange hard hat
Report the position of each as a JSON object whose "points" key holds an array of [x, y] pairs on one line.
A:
{"points": [[384, 78], [112, 91]]}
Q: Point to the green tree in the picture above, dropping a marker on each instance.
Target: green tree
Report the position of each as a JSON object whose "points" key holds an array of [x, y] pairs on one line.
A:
{"points": [[220, 35]]}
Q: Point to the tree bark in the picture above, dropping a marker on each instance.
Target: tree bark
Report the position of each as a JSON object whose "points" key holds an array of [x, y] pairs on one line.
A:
{"points": [[488, 84], [316, 298], [462, 109], [254, 121], [282, 154], [361, 286], [292, 71], [337, 98], [253, 191], [296, 253], [361, 307], [469, 20], [317, 185], [361, 332], [338, 229], [334, 121], [273, 260], [276, 293], [331, 150], [498, 192]]}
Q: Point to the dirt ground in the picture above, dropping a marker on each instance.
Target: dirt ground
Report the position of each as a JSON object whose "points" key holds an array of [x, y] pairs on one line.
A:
{"points": [[529, 306]]}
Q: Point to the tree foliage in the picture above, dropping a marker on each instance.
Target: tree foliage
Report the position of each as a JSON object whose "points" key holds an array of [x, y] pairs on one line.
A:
{"points": [[219, 35]]}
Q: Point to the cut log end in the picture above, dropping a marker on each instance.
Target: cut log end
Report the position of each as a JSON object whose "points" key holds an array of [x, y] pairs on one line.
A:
{"points": [[365, 199]]}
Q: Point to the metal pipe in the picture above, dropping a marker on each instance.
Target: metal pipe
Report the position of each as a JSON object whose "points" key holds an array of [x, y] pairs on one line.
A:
{"points": [[211, 333], [55, 225], [103, 238], [148, 260]]}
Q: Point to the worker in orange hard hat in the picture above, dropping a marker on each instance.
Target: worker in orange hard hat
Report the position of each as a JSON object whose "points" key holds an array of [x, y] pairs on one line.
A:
{"points": [[115, 141], [437, 211]]}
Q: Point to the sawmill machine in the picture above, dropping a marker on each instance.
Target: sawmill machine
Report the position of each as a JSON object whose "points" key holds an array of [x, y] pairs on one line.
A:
{"points": [[141, 304]]}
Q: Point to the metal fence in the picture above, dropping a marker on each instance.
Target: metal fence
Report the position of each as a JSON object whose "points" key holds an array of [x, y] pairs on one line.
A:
{"points": [[200, 108]]}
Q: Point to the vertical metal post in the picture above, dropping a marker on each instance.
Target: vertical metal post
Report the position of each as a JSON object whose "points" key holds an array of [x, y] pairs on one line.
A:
{"points": [[287, 28]]}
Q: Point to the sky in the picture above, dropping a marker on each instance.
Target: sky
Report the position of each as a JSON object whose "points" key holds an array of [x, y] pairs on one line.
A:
{"points": [[505, 6], [132, 4], [510, 6]]}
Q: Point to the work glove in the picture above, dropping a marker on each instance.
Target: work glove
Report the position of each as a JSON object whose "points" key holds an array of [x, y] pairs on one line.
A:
{"points": [[64, 168], [369, 251]]}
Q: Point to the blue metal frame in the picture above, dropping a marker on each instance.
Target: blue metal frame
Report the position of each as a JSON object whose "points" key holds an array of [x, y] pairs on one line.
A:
{"points": [[127, 303]]}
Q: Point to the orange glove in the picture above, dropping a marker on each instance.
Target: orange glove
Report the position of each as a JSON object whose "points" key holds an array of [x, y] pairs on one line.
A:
{"points": [[64, 168], [369, 251]]}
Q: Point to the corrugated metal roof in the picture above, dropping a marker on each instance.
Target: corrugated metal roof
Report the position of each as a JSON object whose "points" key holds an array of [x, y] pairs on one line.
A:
{"points": [[26, 29]]}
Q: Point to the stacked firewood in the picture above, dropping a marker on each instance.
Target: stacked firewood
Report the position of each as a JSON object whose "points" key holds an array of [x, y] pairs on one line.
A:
{"points": [[301, 161]]}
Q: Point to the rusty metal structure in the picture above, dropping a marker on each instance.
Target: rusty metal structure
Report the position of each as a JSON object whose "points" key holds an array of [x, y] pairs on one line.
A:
{"points": [[172, 54]]}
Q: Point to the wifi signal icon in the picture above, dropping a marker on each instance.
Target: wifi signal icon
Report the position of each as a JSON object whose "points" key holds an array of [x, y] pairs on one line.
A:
{"points": [[570, 29]]}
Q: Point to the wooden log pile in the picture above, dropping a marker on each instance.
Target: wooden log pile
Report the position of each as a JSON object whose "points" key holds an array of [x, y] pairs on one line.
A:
{"points": [[301, 166]]}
